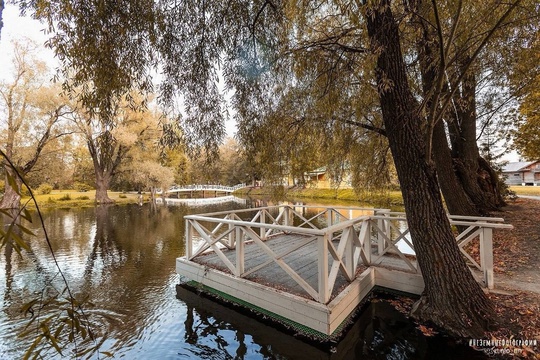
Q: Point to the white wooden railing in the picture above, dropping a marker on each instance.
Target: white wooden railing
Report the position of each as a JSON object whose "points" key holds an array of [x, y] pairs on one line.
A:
{"points": [[479, 229], [202, 201], [180, 188], [345, 238]]}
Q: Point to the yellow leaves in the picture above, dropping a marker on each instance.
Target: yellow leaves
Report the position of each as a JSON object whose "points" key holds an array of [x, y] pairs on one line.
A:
{"points": [[124, 135]]}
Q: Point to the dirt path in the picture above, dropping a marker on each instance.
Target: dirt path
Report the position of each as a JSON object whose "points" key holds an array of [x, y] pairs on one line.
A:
{"points": [[517, 251], [517, 274]]}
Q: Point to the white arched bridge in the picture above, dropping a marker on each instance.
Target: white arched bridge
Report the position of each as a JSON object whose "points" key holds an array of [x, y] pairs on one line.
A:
{"points": [[217, 188]]}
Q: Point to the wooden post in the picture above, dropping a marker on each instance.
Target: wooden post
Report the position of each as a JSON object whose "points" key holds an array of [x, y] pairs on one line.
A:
{"points": [[329, 217], [288, 216], [323, 267], [189, 243], [231, 233], [262, 220], [365, 238], [349, 250], [486, 256], [381, 242], [239, 270]]}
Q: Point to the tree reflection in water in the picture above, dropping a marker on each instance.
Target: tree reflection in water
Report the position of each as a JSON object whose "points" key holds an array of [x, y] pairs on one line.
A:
{"points": [[123, 257], [378, 332]]}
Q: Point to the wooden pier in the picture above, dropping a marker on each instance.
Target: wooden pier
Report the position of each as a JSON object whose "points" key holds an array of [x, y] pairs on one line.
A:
{"points": [[310, 267]]}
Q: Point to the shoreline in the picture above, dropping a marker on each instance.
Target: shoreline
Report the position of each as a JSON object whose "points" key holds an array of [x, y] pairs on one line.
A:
{"points": [[384, 198]]}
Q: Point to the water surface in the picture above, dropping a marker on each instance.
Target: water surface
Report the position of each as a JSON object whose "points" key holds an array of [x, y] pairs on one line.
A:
{"points": [[123, 258]]}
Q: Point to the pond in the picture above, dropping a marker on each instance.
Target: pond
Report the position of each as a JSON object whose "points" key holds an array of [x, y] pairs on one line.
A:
{"points": [[123, 259]]}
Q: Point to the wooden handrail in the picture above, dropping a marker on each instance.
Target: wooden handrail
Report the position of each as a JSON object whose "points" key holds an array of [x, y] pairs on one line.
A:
{"points": [[353, 238]]}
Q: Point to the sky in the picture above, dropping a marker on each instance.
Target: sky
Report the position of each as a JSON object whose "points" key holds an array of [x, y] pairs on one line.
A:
{"points": [[18, 27]]}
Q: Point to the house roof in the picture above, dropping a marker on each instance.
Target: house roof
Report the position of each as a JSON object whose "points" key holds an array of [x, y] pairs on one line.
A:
{"points": [[517, 166], [318, 171]]}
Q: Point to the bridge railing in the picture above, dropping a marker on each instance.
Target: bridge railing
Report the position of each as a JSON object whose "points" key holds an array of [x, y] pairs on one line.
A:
{"points": [[201, 187], [345, 238]]}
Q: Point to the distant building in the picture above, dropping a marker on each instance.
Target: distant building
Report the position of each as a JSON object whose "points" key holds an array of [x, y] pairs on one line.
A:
{"points": [[522, 173], [320, 178]]}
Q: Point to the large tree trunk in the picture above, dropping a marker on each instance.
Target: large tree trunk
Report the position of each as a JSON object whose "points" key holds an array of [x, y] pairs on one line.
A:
{"points": [[452, 298], [478, 178], [457, 201], [105, 161], [103, 180]]}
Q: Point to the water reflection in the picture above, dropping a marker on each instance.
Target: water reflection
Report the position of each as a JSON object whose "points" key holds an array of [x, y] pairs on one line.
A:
{"points": [[216, 330], [123, 257]]}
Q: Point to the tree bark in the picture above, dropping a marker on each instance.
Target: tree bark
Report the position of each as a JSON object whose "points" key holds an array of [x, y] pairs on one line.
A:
{"points": [[103, 180], [106, 157], [457, 201], [452, 298], [11, 198], [478, 179]]}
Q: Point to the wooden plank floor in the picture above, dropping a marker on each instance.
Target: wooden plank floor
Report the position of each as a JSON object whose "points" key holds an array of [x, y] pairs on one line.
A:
{"points": [[303, 261]]}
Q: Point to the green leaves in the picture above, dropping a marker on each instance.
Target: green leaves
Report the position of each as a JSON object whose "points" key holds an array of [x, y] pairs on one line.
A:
{"points": [[64, 325]]}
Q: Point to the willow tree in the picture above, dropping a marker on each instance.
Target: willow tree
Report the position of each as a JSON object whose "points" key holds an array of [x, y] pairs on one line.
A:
{"points": [[122, 147], [34, 115], [263, 46], [104, 50], [480, 80]]}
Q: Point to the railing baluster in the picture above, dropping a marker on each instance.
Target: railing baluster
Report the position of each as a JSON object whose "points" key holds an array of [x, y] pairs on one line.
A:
{"points": [[486, 256], [262, 220], [380, 238], [322, 267], [189, 240], [239, 251], [231, 235], [329, 218], [365, 238], [349, 251]]}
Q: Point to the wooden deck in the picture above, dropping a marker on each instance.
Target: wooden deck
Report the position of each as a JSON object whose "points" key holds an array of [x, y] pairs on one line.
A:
{"points": [[303, 262], [312, 271]]}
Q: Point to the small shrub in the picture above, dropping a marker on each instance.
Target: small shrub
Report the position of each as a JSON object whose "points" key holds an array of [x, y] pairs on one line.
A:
{"points": [[122, 196], [84, 197], [65, 197], [44, 189], [50, 200], [82, 187]]}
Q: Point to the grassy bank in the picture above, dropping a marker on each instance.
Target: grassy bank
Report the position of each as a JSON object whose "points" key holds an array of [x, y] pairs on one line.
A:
{"points": [[73, 198], [385, 198], [379, 198], [526, 190]]}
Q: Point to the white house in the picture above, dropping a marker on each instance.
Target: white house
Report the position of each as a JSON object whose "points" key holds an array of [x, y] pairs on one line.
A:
{"points": [[522, 173]]}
